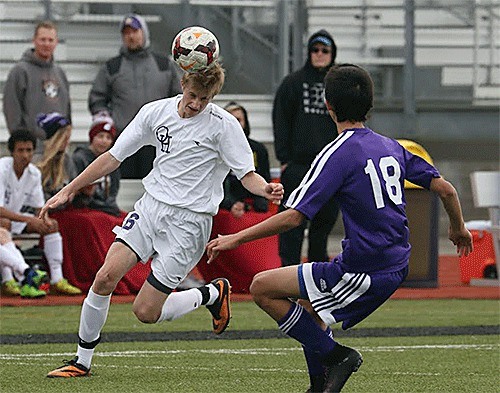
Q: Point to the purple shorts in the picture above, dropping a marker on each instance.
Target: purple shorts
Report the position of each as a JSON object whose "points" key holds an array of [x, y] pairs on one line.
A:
{"points": [[337, 295]]}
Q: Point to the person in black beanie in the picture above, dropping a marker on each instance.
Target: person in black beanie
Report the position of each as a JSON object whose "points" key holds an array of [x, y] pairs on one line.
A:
{"points": [[302, 128]]}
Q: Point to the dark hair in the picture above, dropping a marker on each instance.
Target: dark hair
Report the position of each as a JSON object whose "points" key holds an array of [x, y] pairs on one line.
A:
{"points": [[20, 136], [349, 91], [232, 106]]}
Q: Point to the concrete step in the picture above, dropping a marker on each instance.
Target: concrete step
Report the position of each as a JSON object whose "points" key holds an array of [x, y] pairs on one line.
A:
{"points": [[259, 109]]}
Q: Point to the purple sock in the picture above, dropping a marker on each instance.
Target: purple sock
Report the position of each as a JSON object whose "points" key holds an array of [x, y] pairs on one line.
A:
{"points": [[314, 365], [301, 326]]}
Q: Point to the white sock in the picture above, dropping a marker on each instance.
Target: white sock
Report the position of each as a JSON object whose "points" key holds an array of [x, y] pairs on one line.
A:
{"points": [[214, 294], [13, 258], [53, 250], [85, 356], [6, 274], [93, 317], [179, 304]]}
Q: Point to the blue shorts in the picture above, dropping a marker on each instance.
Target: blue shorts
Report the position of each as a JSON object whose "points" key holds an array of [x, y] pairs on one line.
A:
{"points": [[337, 295]]}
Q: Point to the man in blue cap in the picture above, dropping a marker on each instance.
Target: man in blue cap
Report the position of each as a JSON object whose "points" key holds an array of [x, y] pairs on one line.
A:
{"points": [[128, 81]]}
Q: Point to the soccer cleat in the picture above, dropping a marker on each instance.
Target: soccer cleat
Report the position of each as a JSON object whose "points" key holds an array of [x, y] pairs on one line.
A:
{"points": [[10, 288], [40, 278], [31, 291], [35, 278], [317, 384], [63, 287], [221, 309], [338, 372], [71, 369]]}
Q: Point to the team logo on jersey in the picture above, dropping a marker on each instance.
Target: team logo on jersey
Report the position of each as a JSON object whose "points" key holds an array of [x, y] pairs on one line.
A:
{"points": [[164, 138], [27, 210], [313, 98], [7, 195], [215, 114], [50, 88], [322, 284]]}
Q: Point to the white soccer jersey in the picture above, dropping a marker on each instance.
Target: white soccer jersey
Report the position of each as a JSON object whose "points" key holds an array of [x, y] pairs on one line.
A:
{"points": [[17, 195], [193, 156]]}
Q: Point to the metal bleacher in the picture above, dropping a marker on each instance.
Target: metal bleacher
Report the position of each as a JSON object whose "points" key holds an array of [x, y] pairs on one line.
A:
{"points": [[86, 42], [460, 38], [367, 32]]}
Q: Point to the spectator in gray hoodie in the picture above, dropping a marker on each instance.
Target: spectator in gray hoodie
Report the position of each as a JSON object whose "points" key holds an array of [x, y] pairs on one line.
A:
{"points": [[128, 81], [36, 84]]}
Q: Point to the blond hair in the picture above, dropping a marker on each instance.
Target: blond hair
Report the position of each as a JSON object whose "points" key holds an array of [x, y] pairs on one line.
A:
{"points": [[52, 165], [209, 80]]}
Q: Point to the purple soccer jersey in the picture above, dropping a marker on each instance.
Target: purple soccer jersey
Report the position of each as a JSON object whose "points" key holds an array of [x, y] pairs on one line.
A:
{"points": [[365, 171]]}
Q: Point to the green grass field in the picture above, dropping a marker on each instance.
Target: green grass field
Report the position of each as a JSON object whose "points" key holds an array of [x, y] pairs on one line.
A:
{"points": [[426, 363]]}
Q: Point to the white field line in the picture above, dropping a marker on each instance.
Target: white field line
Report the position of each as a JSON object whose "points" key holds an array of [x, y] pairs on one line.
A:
{"points": [[253, 351], [197, 368]]}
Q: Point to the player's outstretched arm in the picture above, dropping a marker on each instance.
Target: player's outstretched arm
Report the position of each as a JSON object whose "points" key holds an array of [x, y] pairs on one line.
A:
{"points": [[278, 223], [457, 232], [101, 166], [257, 185]]}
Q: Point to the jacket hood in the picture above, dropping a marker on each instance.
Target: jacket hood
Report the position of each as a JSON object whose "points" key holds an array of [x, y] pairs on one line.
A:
{"points": [[135, 21], [30, 57], [321, 36]]}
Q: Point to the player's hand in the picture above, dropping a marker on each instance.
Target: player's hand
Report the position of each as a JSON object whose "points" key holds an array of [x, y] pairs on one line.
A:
{"points": [[461, 238], [275, 192], [223, 242], [37, 225], [57, 200]]}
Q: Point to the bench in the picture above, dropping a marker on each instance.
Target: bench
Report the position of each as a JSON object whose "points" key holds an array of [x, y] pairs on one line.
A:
{"points": [[27, 243]]}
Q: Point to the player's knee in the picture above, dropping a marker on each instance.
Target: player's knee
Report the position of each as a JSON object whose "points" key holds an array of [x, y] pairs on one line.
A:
{"points": [[4, 236], [144, 314], [104, 283], [53, 226], [5, 223], [258, 288]]}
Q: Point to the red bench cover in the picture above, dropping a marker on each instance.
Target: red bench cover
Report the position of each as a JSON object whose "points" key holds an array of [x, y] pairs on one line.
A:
{"points": [[241, 264], [87, 235]]}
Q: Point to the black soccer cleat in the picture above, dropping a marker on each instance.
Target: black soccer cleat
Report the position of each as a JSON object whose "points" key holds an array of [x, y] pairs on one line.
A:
{"points": [[317, 384], [221, 309], [339, 371]]}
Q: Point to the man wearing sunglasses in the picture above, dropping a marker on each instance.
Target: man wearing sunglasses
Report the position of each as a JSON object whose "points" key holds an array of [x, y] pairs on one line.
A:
{"points": [[302, 127]]}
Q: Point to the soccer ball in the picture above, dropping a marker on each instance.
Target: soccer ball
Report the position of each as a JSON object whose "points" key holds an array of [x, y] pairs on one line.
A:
{"points": [[195, 49]]}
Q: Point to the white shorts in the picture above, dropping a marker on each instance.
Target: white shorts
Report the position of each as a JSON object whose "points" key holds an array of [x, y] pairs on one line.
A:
{"points": [[174, 237]]}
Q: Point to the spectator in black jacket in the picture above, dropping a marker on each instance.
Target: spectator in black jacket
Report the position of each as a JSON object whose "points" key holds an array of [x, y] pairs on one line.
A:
{"points": [[237, 199], [128, 81], [302, 128]]}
